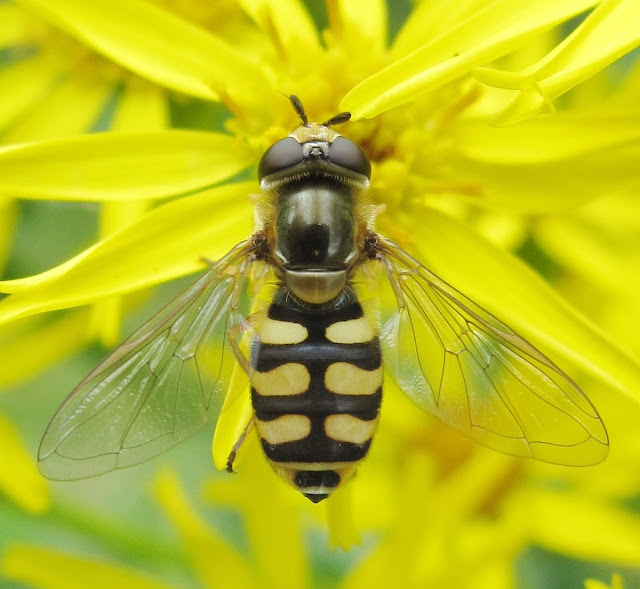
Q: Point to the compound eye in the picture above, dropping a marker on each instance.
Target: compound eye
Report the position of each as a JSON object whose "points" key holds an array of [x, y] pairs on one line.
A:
{"points": [[344, 152], [281, 155]]}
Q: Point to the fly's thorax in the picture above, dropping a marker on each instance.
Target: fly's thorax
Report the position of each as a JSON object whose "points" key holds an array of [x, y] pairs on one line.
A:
{"points": [[316, 241], [316, 388], [315, 225]]}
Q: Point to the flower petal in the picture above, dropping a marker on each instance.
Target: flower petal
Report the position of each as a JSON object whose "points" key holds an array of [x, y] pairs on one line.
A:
{"points": [[580, 527], [19, 477], [29, 352], [495, 30], [429, 20], [548, 139], [360, 24], [166, 243], [267, 505], [583, 244], [70, 108], [560, 161], [507, 288], [15, 25], [155, 44], [105, 321], [608, 33], [342, 531], [236, 413], [142, 107], [120, 166], [57, 570], [30, 81], [290, 23], [217, 563]]}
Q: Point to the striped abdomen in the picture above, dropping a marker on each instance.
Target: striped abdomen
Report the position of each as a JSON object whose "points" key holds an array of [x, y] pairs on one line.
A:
{"points": [[316, 389]]}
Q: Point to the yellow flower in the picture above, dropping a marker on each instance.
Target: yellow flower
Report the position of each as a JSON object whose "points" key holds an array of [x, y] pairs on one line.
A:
{"points": [[437, 146], [433, 509]]}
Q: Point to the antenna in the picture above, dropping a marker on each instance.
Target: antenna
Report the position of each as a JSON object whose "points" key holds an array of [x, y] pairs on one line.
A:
{"points": [[338, 119], [343, 117], [297, 106]]}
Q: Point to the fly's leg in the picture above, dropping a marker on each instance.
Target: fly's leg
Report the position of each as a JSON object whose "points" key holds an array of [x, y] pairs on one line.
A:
{"points": [[236, 334], [239, 336], [236, 447]]}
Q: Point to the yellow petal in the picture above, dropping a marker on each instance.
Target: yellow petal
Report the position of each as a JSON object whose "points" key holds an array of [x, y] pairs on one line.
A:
{"points": [[580, 527], [548, 139], [495, 575], [106, 315], [429, 20], [141, 107], [288, 23], [402, 545], [608, 33], [236, 413], [52, 569], [30, 81], [155, 44], [361, 25], [339, 506], [217, 563], [29, 352], [105, 321], [71, 108], [606, 257], [19, 477], [269, 507], [507, 288], [120, 166], [497, 29], [560, 161], [166, 243], [15, 25]]}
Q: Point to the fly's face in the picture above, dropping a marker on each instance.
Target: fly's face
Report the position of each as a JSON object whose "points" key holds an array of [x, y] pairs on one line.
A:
{"points": [[314, 178]]}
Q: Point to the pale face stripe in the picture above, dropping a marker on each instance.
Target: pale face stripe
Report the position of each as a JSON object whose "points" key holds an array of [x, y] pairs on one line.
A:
{"points": [[287, 379], [343, 378], [288, 428], [354, 331], [347, 428], [272, 331]]}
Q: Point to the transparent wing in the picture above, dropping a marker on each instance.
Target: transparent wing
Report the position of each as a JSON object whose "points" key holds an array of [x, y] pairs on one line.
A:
{"points": [[161, 385], [458, 362]]}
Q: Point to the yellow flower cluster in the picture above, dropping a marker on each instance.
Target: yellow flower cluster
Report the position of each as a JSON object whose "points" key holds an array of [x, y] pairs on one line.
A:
{"points": [[130, 103]]}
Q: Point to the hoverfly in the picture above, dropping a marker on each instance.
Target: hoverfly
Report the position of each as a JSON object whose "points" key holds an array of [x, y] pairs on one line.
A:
{"points": [[315, 358]]}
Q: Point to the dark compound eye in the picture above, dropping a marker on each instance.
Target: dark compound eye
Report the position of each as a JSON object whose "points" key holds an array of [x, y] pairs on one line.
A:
{"points": [[344, 152], [281, 155]]}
